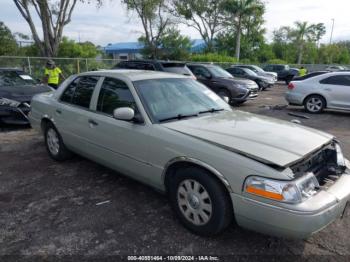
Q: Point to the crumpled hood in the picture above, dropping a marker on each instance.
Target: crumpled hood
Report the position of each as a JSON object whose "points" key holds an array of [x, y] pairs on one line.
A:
{"points": [[23, 93], [261, 138]]}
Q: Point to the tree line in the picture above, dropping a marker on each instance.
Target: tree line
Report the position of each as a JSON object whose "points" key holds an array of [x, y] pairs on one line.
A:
{"points": [[232, 30]]}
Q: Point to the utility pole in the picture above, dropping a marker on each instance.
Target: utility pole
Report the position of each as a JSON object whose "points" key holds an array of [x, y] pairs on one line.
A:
{"points": [[330, 40]]}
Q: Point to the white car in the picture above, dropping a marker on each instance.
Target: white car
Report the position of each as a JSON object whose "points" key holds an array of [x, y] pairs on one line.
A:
{"points": [[331, 90]]}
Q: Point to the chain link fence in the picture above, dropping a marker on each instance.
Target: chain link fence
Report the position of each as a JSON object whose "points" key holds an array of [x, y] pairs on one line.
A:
{"points": [[35, 65]]}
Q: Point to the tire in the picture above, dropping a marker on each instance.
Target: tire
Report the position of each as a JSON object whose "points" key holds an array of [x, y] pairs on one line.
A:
{"points": [[314, 104], [261, 88], [54, 144], [200, 201], [225, 95]]}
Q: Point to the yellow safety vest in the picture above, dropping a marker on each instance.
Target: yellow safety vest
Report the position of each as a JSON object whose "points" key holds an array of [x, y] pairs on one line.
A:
{"points": [[53, 75]]}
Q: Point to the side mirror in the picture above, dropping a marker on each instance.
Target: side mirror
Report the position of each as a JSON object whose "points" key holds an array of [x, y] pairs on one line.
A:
{"points": [[124, 113]]}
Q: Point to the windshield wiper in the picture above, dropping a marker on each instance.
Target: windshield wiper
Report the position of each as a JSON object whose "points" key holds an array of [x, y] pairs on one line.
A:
{"points": [[178, 117], [212, 110]]}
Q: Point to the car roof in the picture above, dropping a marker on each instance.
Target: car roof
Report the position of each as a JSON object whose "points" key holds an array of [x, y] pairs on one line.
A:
{"points": [[153, 61], [10, 69], [201, 64], [134, 75], [323, 76]]}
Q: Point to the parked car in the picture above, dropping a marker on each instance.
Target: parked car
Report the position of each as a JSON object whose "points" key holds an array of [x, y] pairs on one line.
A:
{"points": [[216, 164], [258, 70], [330, 90], [262, 81], [235, 91], [156, 65], [309, 75], [16, 91], [335, 68], [284, 72]]}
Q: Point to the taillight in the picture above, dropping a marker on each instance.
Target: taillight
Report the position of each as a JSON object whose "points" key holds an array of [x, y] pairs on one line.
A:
{"points": [[291, 86]]}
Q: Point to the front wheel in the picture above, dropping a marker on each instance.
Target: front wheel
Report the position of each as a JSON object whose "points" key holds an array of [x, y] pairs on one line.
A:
{"points": [[54, 144], [200, 201], [314, 104]]}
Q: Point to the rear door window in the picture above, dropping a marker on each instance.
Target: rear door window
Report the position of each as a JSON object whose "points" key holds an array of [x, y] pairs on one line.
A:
{"points": [[342, 80], [114, 94], [79, 92]]}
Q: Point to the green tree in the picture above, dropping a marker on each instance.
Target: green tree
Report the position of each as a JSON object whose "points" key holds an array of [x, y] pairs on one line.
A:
{"points": [[8, 45], [69, 48], [54, 15], [155, 20], [175, 46], [303, 33], [237, 11], [205, 16]]}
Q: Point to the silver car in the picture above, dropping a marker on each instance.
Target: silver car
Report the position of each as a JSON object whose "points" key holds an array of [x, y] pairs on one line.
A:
{"points": [[330, 90], [216, 164]]}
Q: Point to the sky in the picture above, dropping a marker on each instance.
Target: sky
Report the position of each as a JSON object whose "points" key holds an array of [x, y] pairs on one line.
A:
{"points": [[112, 23]]}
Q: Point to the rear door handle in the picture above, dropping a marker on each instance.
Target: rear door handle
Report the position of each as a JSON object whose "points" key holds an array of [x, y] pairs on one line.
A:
{"points": [[92, 122], [58, 111], [328, 89]]}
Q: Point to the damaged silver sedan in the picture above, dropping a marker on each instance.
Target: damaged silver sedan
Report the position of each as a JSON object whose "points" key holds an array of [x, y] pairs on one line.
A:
{"points": [[217, 165]]}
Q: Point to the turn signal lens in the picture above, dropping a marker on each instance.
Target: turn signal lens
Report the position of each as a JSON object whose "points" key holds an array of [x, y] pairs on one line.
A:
{"points": [[263, 193], [291, 86]]}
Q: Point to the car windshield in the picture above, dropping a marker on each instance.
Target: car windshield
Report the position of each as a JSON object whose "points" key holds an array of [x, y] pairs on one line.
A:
{"points": [[177, 68], [15, 78], [250, 72], [257, 69], [177, 98], [217, 71]]}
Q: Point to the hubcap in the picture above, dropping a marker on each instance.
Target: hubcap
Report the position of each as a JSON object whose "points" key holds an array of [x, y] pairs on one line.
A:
{"points": [[52, 141], [314, 104], [194, 202]]}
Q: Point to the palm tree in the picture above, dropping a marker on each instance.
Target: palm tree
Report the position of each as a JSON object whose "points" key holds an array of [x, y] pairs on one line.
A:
{"points": [[302, 32], [237, 11]]}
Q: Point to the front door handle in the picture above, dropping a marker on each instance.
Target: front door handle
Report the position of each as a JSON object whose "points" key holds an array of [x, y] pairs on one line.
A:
{"points": [[92, 122], [328, 89], [58, 111]]}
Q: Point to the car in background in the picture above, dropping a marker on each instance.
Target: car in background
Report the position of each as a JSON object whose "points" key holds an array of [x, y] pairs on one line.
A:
{"points": [[262, 81], [217, 165], [258, 70], [16, 91], [156, 65], [284, 72], [234, 91], [335, 68], [309, 75], [330, 90]]}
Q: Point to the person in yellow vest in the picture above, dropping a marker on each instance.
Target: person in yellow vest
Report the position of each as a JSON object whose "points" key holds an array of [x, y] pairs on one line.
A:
{"points": [[302, 71], [53, 74]]}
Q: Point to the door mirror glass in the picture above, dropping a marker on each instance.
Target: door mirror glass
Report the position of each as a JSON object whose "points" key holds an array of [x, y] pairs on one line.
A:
{"points": [[124, 113]]}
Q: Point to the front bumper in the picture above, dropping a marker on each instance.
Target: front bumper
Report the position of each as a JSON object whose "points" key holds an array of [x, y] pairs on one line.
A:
{"points": [[294, 221], [13, 115]]}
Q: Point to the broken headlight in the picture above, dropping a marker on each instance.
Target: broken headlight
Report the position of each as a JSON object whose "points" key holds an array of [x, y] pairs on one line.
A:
{"points": [[8, 102], [340, 157], [284, 191]]}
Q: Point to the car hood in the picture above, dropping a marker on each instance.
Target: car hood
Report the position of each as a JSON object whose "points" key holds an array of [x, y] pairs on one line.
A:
{"points": [[268, 140], [23, 93]]}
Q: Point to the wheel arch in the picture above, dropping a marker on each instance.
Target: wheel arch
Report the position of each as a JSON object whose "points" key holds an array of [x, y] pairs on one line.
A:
{"points": [[181, 162], [44, 121]]}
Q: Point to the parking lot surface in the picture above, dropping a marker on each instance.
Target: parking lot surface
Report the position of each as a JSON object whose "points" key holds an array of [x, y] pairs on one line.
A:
{"points": [[81, 208]]}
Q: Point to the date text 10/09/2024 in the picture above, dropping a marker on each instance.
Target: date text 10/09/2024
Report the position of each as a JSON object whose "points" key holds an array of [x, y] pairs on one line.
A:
{"points": [[173, 258]]}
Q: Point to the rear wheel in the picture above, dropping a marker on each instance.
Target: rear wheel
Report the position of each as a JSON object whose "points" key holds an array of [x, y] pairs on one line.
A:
{"points": [[54, 144], [200, 201], [289, 79], [314, 104]]}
